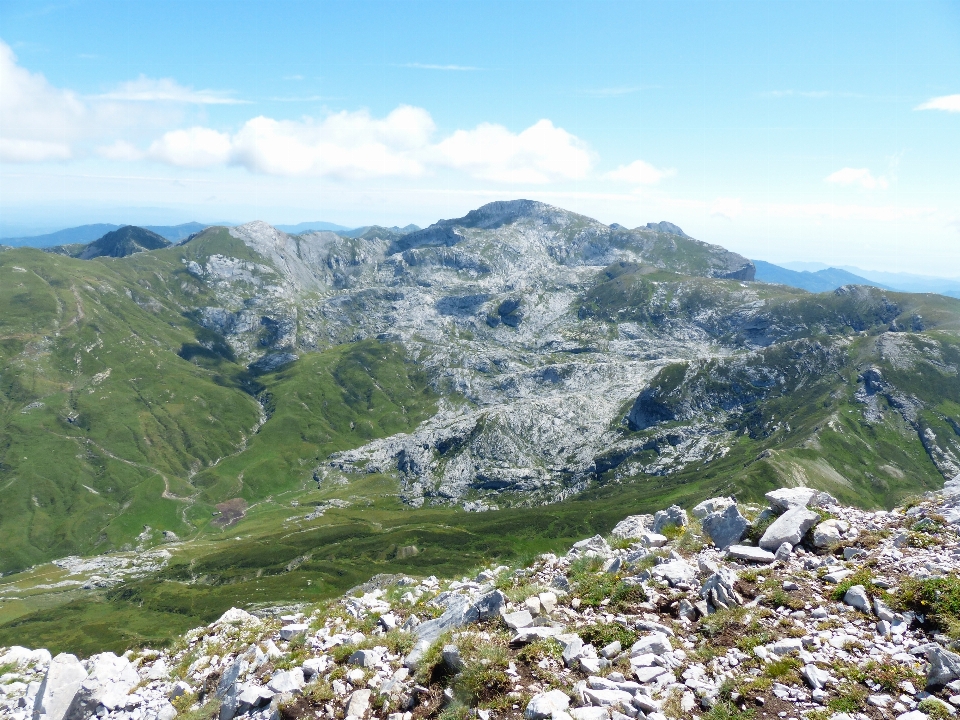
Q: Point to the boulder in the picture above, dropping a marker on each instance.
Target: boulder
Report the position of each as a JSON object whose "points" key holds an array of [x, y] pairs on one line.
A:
{"points": [[673, 516], [713, 505], [826, 535], [944, 666], [358, 704], [59, 688], [725, 528], [789, 527], [107, 675], [719, 590], [784, 499], [236, 616], [674, 572], [289, 632], [656, 643], [287, 681], [452, 658], [518, 620], [750, 554], [591, 547], [857, 597], [632, 526], [544, 705]]}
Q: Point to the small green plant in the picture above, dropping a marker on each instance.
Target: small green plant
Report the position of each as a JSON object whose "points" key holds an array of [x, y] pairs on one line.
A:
{"points": [[726, 710], [783, 670], [937, 598], [863, 576], [602, 634], [539, 650], [934, 708], [851, 699]]}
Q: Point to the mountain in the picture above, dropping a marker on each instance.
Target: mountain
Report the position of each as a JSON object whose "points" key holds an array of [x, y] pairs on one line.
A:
{"points": [[904, 282], [119, 243], [88, 233], [307, 226], [258, 395], [823, 280], [366, 229]]}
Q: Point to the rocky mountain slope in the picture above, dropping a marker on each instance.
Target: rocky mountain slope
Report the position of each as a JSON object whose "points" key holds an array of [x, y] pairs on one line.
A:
{"points": [[519, 355], [118, 243], [808, 610]]}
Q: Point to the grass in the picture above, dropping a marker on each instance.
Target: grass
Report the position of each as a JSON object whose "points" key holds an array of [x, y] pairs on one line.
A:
{"points": [[601, 634], [936, 598]]}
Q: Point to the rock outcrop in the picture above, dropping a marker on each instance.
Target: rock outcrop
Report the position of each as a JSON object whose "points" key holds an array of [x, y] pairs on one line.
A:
{"points": [[659, 629]]}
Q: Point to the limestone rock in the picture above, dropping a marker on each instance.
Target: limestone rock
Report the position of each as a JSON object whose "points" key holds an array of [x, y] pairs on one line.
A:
{"points": [[673, 516], [750, 554], [713, 505], [59, 687], [632, 526], [726, 527], [789, 527], [544, 705]]}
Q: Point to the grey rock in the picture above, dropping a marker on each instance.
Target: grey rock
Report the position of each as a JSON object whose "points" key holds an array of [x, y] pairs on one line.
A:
{"points": [[857, 597], [725, 528], [944, 666], [359, 703], [783, 552], [674, 572], [815, 677], [750, 554], [825, 536], [784, 499], [518, 620], [572, 647], [289, 632], [673, 516], [612, 650], [719, 589], [452, 658], [632, 526], [654, 643], [713, 505], [287, 681], [59, 687], [595, 546], [363, 658], [789, 527], [544, 705]]}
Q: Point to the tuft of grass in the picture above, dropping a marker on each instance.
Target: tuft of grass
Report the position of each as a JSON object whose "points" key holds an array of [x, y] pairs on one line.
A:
{"points": [[937, 598], [600, 634], [726, 710], [863, 576]]}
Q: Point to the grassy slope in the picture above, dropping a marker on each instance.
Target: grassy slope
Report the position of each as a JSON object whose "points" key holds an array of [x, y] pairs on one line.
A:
{"points": [[100, 416]]}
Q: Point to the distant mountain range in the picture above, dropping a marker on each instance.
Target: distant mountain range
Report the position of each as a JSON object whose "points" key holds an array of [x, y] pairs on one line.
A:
{"points": [[89, 233], [314, 225], [817, 277], [824, 280]]}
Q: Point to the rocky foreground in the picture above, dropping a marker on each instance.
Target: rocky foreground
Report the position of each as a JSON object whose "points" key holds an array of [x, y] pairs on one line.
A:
{"points": [[802, 609]]}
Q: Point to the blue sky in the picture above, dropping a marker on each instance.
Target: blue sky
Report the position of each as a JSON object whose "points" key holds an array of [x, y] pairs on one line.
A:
{"points": [[807, 130]]}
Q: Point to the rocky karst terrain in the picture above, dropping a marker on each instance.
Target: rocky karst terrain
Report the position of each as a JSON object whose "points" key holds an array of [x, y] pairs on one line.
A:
{"points": [[807, 609]]}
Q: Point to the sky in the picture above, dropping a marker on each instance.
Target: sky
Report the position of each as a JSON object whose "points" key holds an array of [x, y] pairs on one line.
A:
{"points": [[817, 130]]}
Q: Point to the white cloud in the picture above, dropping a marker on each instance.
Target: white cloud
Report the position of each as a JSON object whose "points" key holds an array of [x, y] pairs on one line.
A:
{"points": [[196, 147], [950, 103], [355, 145], [539, 154], [640, 173], [857, 176], [145, 89], [729, 208], [38, 122]]}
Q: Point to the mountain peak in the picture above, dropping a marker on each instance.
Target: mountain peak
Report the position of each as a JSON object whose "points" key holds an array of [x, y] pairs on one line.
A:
{"points": [[124, 241]]}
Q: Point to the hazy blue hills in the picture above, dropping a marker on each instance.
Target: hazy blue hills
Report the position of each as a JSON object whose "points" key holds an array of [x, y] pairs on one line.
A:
{"points": [[823, 280], [904, 282], [89, 233]]}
